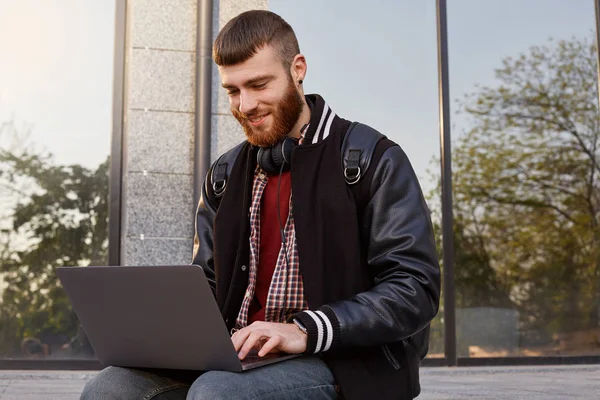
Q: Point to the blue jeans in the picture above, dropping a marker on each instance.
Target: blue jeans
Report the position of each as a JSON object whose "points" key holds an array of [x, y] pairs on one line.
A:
{"points": [[297, 378]]}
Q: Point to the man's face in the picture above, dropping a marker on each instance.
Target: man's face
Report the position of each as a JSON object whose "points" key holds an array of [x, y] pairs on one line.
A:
{"points": [[263, 97]]}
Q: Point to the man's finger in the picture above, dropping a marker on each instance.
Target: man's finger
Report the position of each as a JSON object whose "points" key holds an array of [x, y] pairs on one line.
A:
{"points": [[270, 345], [250, 342], [240, 337]]}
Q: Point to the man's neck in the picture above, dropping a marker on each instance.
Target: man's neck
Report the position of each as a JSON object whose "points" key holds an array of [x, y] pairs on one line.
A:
{"points": [[303, 119]]}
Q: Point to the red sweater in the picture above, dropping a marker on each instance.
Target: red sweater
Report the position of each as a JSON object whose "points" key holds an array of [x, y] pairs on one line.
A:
{"points": [[270, 240]]}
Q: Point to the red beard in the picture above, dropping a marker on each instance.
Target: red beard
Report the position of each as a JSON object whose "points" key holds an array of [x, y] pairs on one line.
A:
{"points": [[285, 116]]}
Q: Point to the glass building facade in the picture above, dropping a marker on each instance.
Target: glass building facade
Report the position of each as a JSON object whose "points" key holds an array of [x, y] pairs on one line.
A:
{"points": [[525, 160], [495, 103], [56, 79]]}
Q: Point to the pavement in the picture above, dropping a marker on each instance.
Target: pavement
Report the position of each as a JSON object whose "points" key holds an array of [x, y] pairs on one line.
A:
{"points": [[531, 383], [579, 382]]}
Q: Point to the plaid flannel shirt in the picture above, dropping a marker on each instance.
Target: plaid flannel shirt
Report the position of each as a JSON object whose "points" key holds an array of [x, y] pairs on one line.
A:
{"points": [[286, 293]]}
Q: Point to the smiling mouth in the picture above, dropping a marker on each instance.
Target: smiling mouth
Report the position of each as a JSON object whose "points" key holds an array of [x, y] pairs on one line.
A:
{"points": [[255, 121]]}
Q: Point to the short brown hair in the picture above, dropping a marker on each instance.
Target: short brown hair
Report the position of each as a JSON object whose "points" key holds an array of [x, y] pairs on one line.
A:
{"points": [[247, 33]]}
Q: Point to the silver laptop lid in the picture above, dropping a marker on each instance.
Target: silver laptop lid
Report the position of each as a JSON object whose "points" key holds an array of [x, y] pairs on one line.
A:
{"points": [[150, 316]]}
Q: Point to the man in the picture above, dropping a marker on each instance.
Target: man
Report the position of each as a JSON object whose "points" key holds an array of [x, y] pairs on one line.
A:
{"points": [[298, 263]]}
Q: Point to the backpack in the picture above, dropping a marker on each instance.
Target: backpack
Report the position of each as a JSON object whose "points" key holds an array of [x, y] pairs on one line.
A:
{"points": [[361, 146]]}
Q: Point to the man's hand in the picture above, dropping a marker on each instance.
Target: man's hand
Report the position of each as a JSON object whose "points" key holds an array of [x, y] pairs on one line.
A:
{"points": [[269, 337]]}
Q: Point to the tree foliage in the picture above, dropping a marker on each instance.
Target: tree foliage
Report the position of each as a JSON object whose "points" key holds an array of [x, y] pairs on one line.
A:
{"points": [[58, 216], [527, 190]]}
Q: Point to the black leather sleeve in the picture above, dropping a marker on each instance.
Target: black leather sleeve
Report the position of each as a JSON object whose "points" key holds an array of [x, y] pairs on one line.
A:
{"points": [[402, 259], [203, 236]]}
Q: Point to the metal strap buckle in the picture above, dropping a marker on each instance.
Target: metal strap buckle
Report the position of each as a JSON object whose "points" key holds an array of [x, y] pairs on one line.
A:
{"points": [[352, 179], [219, 187]]}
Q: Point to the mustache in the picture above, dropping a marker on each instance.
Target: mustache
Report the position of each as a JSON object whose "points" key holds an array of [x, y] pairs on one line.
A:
{"points": [[246, 116]]}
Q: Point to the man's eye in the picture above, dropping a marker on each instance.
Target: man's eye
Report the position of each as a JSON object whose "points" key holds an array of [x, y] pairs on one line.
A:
{"points": [[232, 92], [260, 86]]}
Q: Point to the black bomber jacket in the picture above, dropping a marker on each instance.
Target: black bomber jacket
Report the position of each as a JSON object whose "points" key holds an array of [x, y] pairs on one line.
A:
{"points": [[372, 278]]}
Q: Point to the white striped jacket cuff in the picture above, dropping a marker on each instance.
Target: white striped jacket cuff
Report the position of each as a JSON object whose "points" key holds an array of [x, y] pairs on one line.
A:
{"points": [[322, 328]]}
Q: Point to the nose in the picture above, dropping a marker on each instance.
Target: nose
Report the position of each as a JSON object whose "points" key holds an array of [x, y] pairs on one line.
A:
{"points": [[248, 102]]}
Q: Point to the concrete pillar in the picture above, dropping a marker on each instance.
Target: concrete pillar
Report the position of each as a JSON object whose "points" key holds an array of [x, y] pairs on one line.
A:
{"points": [[226, 131], [158, 223]]}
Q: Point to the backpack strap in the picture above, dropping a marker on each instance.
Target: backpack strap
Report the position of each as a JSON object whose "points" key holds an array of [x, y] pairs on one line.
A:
{"points": [[218, 174], [357, 151], [219, 177], [362, 147]]}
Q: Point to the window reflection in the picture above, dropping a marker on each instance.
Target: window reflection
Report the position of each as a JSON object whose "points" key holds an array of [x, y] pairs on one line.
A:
{"points": [[55, 104], [526, 167]]}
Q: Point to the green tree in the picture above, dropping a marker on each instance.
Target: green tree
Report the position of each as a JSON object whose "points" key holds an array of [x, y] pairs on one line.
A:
{"points": [[527, 188], [59, 218]]}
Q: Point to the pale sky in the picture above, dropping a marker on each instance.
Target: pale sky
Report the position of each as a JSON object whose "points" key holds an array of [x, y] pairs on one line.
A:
{"points": [[376, 61], [56, 73], [373, 61]]}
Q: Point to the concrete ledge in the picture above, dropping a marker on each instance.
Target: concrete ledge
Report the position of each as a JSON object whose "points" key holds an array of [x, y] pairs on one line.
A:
{"points": [[579, 382]]}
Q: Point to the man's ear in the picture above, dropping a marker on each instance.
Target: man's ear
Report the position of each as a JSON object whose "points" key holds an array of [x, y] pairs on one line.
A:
{"points": [[298, 68]]}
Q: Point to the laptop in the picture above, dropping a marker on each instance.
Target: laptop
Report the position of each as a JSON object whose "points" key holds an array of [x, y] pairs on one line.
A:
{"points": [[154, 317]]}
